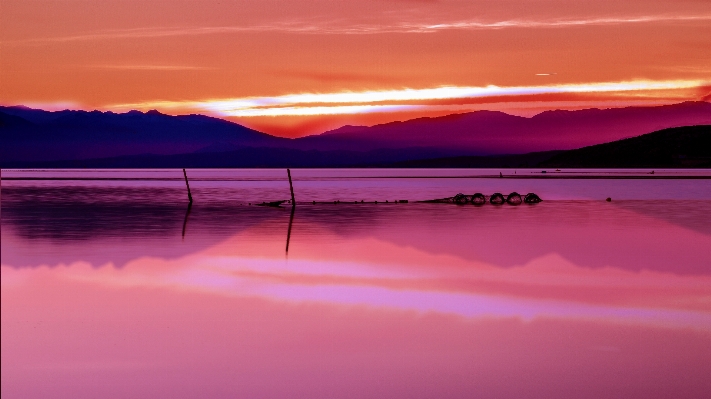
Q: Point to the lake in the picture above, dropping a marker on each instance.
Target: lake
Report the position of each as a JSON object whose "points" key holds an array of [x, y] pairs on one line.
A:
{"points": [[112, 286]]}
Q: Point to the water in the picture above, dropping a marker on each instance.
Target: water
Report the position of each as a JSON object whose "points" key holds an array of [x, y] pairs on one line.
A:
{"points": [[113, 287]]}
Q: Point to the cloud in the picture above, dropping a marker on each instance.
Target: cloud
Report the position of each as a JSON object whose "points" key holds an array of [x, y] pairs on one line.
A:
{"points": [[337, 28], [342, 103], [558, 23], [383, 286]]}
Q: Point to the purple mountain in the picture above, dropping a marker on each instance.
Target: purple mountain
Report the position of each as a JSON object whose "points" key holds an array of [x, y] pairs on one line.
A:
{"points": [[487, 132], [37, 135], [29, 137]]}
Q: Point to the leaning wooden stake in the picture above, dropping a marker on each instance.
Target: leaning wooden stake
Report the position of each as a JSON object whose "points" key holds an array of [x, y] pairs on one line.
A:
{"points": [[291, 187], [190, 196]]}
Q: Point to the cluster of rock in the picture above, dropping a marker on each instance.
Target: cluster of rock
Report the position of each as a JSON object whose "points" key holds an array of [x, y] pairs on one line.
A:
{"points": [[495, 199]]}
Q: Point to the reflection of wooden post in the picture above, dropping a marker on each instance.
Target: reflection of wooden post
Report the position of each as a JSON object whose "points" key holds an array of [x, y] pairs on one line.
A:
{"points": [[185, 221], [190, 196], [288, 233], [291, 187]]}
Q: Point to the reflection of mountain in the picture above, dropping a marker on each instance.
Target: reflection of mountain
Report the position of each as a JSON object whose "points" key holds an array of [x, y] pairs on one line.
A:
{"points": [[35, 138], [639, 235], [689, 214], [73, 223], [589, 234]]}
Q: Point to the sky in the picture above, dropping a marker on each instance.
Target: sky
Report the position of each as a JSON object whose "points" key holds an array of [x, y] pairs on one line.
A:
{"points": [[293, 68]]}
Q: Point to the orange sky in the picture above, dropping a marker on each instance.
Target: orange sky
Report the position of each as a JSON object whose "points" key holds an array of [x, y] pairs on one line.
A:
{"points": [[182, 56]]}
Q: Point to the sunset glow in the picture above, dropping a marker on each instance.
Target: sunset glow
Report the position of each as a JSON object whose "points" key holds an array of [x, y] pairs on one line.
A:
{"points": [[291, 105], [349, 199]]}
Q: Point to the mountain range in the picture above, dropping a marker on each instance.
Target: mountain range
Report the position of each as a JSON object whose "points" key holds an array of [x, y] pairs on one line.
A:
{"points": [[676, 147], [37, 138]]}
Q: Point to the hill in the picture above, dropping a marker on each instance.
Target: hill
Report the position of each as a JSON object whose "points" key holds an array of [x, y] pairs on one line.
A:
{"points": [[489, 133], [37, 138], [682, 147], [529, 160], [29, 135]]}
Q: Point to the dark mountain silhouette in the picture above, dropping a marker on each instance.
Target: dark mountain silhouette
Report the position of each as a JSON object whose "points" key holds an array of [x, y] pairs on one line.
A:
{"points": [[31, 138], [680, 147], [688, 146], [530, 160], [29, 135]]}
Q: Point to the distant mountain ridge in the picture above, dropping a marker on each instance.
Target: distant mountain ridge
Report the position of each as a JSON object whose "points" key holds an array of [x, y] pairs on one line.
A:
{"points": [[491, 132], [680, 147], [677, 147], [36, 137], [688, 146]]}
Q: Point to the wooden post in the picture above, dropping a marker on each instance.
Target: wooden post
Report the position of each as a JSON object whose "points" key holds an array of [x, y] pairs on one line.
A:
{"points": [[190, 196], [291, 187]]}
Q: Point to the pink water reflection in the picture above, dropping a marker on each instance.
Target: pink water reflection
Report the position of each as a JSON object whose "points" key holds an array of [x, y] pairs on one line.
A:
{"points": [[359, 315]]}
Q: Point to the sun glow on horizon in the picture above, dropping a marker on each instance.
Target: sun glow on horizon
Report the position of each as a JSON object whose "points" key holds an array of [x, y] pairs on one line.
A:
{"points": [[407, 99]]}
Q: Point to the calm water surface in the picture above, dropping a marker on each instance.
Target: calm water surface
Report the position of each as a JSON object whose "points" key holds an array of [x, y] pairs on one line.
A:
{"points": [[113, 287]]}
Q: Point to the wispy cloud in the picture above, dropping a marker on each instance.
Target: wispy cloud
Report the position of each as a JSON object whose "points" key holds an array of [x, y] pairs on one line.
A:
{"points": [[393, 100], [558, 22], [706, 70], [335, 282], [333, 28]]}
